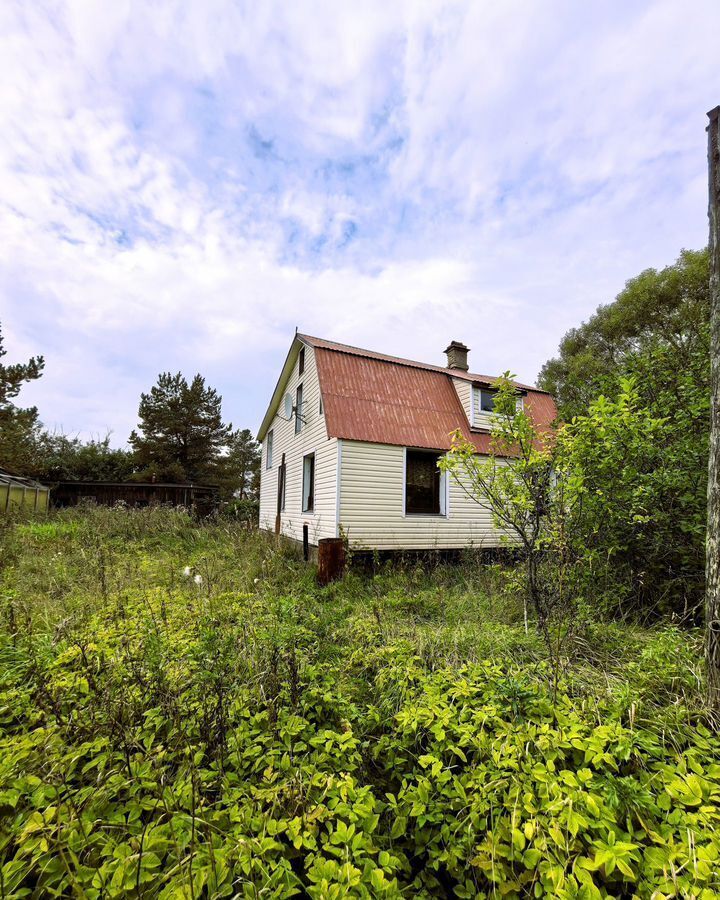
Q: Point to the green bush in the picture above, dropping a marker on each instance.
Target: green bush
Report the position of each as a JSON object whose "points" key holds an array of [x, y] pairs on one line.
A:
{"points": [[183, 713]]}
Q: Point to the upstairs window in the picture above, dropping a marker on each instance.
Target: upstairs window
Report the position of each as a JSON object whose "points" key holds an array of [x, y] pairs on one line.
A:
{"points": [[301, 361], [321, 408], [298, 409], [308, 486], [486, 400], [424, 484], [269, 449]]}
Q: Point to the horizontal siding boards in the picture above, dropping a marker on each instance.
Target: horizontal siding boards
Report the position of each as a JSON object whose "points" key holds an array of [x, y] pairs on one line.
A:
{"points": [[313, 438], [371, 507], [465, 392]]}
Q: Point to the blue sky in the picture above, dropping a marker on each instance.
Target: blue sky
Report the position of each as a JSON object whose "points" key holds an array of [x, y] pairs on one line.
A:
{"points": [[184, 183]]}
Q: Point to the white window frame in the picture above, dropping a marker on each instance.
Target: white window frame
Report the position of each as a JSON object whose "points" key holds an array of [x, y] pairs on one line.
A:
{"points": [[444, 489], [299, 404], [303, 510], [269, 449]]}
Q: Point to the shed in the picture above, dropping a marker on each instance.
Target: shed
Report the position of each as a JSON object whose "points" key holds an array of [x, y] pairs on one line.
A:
{"points": [[200, 498]]}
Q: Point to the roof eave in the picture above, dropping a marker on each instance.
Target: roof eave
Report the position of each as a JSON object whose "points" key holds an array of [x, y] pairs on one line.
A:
{"points": [[297, 341]]}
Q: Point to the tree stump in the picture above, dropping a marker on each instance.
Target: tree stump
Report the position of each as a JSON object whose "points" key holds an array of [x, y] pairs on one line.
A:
{"points": [[331, 560]]}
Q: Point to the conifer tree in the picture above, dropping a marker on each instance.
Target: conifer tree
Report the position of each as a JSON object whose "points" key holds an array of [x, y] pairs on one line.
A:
{"points": [[19, 428], [181, 433]]}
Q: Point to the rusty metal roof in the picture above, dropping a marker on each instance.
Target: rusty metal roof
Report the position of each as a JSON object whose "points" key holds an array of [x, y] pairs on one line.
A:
{"points": [[321, 343], [369, 397], [383, 399]]}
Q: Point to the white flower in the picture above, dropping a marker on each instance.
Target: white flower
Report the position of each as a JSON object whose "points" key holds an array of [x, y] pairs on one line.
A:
{"points": [[187, 571], [256, 580], [198, 579]]}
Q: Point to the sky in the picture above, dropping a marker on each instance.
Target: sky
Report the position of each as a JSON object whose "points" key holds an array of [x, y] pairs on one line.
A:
{"points": [[182, 184]]}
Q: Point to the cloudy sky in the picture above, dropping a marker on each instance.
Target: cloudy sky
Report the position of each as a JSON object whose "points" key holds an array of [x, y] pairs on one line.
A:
{"points": [[184, 183]]}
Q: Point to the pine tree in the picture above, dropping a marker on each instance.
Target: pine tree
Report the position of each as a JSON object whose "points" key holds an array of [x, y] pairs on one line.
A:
{"points": [[19, 428], [241, 466], [181, 432]]}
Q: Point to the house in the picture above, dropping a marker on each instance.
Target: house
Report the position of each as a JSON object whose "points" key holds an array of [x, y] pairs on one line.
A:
{"points": [[351, 441]]}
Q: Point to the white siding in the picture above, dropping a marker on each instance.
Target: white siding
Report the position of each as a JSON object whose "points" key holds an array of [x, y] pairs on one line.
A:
{"points": [[464, 392], [322, 521], [372, 513]]}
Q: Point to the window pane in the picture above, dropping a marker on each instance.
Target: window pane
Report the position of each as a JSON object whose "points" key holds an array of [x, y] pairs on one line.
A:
{"points": [[298, 409], [301, 361], [308, 496], [422, 483], [487, 401], [268, 460]]}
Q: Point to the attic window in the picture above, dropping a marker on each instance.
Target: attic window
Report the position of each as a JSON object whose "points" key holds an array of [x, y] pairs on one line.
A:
{"points": [[424, 484], [298, 409], [301, 361], [486, 400], [268, 457]]}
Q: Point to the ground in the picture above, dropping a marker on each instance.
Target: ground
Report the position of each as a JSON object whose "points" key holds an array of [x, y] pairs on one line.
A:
{"points": [[184, 713]]}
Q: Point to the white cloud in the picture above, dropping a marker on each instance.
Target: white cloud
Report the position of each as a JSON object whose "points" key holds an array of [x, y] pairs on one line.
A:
{"points": [[183, 183]]}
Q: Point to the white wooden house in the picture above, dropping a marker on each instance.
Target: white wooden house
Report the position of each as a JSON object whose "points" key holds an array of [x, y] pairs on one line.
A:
{"points": [[351, 441]]}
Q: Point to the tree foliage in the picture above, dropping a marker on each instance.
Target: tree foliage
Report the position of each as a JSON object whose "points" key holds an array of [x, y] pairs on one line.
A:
{"points": [[181, 433], [656, 334], [240, 466], [63, 458], [657, 311], [19, 428]]}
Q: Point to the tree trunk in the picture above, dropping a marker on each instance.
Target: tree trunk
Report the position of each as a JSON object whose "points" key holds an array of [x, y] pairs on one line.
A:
{"points": [[712, 596]]}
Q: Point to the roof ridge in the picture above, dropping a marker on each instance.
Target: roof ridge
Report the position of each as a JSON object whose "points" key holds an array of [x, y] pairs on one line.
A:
{"points": [[325, 344]]}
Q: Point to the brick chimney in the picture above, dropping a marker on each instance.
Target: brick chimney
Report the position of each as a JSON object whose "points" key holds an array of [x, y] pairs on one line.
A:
{"points": [[457, 356]]}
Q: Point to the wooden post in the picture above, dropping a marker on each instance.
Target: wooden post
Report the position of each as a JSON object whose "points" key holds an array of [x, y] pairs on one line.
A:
{"points": [[306, 543], [712, 566], [331, 560]]}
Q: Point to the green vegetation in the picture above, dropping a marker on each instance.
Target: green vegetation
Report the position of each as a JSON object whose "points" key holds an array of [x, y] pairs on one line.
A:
{"points": [[646, 355], [237, 731]]}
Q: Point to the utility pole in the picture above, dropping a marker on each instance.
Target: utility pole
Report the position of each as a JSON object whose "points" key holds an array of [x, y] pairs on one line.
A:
{"points": [[712, 567]]}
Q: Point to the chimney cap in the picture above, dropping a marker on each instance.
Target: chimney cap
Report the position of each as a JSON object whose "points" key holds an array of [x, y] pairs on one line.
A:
{"points": [[456, 345]]}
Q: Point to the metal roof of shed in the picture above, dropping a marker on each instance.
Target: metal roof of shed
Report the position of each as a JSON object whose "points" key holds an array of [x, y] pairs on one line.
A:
{"points": [[20, 481]]}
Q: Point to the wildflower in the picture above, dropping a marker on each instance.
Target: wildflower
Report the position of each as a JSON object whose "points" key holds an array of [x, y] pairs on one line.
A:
{"points": [[198, 579], [256, 580], [187, 571]]}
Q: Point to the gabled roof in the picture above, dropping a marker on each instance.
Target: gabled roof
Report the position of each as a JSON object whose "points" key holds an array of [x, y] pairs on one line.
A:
{"points": [[384, 399], [321, 343]]}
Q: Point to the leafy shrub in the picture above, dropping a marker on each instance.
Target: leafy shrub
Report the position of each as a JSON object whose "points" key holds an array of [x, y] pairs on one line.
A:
{"points": [[235, 731]]}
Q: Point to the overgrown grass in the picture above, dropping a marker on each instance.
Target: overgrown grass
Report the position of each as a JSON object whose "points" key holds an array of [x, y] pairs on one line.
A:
{"points": [[238, 731]]}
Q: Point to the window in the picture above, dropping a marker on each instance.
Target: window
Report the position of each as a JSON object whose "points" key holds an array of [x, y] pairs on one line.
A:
{"points": [[308, 487], [424, 484], [268, 451], [282, 477], [298, 409], [486, 400], [320, 408], [301, 361]]}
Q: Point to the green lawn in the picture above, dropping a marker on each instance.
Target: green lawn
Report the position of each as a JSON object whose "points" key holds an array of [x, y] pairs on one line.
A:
{"points": [[239, 732]]}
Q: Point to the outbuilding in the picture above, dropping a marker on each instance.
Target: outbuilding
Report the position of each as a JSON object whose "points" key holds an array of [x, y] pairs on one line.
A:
{"points": [[18, 492]]}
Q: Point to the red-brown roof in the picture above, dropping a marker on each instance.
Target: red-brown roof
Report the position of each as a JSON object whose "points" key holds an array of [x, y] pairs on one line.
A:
{"points": [[380, 399], [321, 343]]}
